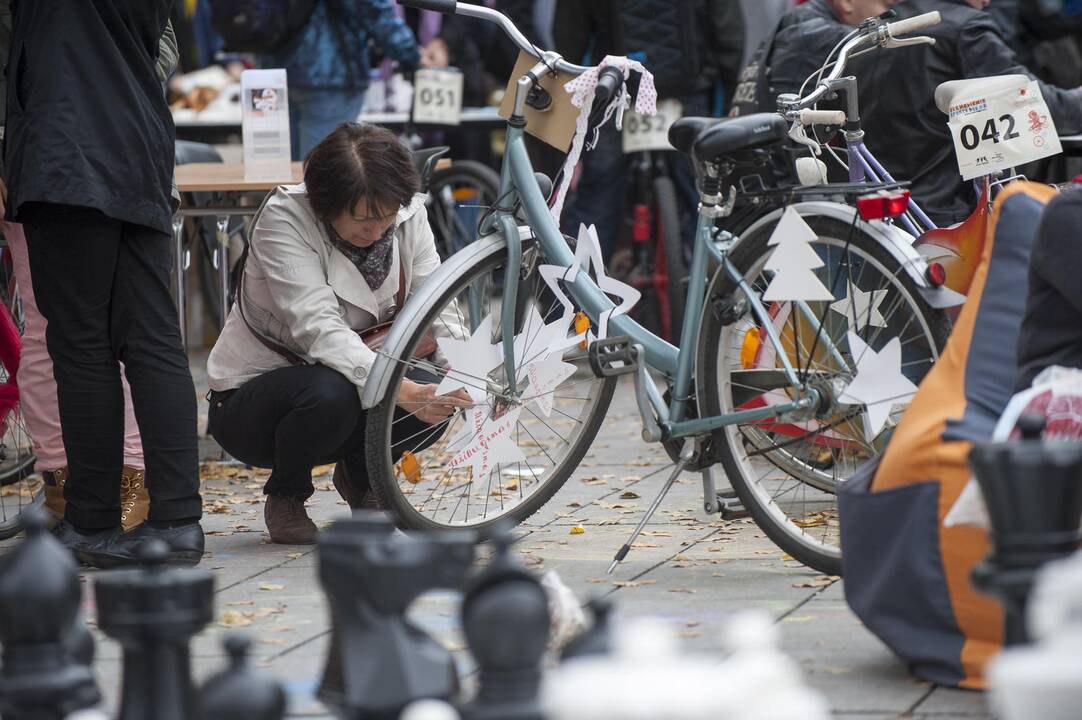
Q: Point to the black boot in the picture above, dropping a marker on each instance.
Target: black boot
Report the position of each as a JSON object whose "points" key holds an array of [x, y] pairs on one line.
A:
{"points": [[185, 546]]}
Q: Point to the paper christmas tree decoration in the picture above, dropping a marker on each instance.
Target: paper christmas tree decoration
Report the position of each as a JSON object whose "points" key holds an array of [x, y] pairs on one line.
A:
{"points": [[794, 262]]}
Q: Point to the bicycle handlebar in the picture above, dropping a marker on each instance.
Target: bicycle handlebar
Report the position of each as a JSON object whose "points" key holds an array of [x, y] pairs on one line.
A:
{"points": [[821, 117], [913, 24], [452, 7], [875, 32]]}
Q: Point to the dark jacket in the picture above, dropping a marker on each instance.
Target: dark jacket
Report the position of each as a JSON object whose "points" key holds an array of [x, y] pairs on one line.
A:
{"points": [[331, 52], [906, 131], [690, 45], [87, 121]]}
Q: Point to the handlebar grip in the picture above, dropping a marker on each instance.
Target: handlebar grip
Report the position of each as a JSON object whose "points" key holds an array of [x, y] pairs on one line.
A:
{"points": [[609, 81], [448, 7], [913, 24], [822, 117]]}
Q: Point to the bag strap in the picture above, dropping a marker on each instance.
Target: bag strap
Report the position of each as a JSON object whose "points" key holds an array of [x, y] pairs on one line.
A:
{"points": [[289, 355]]}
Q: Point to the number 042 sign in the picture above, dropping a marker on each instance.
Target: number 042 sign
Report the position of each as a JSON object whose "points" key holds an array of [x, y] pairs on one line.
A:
{"points": [[1003, 129]]}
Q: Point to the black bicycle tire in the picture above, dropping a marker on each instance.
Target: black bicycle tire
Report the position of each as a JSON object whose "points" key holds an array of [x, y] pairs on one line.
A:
{"points": [[668, 222], [744, 252], [13, 526], [469, 171], [384, 484]]}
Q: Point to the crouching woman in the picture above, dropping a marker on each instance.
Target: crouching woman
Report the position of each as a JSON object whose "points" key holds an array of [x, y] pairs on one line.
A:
{"points": [[327, 260]]}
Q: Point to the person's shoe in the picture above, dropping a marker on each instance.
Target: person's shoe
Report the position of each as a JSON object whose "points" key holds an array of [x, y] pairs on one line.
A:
{"points": [[288, 522], [357, 498], [53, 481], [78, 542], [185, 543], [134, 498]]}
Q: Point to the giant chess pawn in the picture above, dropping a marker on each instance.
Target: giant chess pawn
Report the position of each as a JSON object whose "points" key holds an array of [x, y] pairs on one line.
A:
{"points": [[46, 651], [153, 611], [598, 639], [379, 661], [505, 616], [241, 692]]}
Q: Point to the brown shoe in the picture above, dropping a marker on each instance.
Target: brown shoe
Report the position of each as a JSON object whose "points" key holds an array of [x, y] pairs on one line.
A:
{"points": [[134, 498], [288, 522], [54, 493], [357, 498]]}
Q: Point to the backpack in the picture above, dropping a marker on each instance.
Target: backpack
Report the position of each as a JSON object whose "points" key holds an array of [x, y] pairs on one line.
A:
{"points": [[259, 26]]}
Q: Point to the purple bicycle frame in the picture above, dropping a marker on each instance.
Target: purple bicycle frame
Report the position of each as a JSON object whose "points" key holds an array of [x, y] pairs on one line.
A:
{"points": [[867, 167]]}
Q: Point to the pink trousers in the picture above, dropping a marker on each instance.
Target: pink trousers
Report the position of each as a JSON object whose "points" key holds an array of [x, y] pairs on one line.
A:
{"points": [[37, 388]]}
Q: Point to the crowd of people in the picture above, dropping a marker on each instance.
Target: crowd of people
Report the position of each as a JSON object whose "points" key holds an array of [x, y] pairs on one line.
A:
{"points": [[88, 202]]}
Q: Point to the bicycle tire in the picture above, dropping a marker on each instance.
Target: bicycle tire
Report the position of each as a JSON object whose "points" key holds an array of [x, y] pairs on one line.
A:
{"points": [[452, 234], [732, 446], [380, 419], [668, 234]]}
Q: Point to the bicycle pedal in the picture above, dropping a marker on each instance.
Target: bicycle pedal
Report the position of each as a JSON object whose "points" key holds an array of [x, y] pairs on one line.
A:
{"points": [[731, 508], [613, 356]]}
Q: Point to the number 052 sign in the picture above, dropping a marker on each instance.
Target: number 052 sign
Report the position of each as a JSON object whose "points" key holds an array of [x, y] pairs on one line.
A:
{"points": [[1003, 129]]}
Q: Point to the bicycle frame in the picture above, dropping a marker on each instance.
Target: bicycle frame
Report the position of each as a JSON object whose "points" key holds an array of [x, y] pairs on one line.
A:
{"points": [[518, 183]]}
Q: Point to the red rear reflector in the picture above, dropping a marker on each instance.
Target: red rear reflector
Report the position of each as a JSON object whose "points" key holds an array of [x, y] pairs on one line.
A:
{"points": [[640, 224], [936, 274], [883, 205]]}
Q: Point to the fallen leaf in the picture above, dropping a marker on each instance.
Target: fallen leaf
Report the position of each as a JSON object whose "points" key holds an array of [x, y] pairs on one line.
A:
{"points": [[629, 495], [578, 530], [271, 586], [689, 591], [633, 583], [232, 618], [281, 628], [234, 603]]}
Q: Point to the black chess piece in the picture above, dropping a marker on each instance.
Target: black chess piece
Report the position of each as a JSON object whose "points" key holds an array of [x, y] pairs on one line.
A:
{"points": [[379, 661], [240, 692], [47, 650], [153, 611], [597, 640], [505, 616], [1033, 491]]}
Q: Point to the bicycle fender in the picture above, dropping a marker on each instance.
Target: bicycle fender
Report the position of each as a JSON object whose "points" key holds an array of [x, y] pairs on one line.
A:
{"points": [[897, 243], [412, 314]]}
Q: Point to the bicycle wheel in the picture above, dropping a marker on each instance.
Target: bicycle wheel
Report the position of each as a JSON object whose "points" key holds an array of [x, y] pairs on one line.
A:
{"points": [[786, 472], [667, 225], [458, 197], [426, 479], [19, 487]]}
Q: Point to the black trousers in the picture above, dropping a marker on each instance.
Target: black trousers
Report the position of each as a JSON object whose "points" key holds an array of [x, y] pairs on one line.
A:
{"points": [[295, 418], [103, 286]]}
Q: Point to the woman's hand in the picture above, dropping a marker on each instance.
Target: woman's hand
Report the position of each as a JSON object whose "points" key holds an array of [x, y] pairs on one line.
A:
{"points": [[422, 401]]}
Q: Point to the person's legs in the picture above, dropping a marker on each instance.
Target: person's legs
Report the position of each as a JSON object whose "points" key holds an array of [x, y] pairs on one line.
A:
{"points": [[73, 259], [314, 113], [289, 420], [145, 336], [37, 395]]}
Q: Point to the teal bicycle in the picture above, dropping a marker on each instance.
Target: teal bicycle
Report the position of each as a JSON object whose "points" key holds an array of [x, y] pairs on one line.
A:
{"points": [[756, 388]]}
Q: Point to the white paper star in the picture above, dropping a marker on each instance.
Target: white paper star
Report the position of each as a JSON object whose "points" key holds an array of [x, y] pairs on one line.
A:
{"points": [[861, 308], [545, 377], [879, 384], [492, 444], [587, 252], [538, 340], [794, 262], [469, 362]]}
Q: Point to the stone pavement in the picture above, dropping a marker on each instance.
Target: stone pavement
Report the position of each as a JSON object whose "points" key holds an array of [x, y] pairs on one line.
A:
{"points": [[688, 569]]}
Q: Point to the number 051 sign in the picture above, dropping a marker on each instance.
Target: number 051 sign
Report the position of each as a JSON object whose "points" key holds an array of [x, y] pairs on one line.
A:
{"points": [[437, 96], [1003, 129]]}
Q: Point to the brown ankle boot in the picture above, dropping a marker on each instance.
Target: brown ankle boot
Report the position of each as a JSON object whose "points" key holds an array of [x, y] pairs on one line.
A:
{"points": [[357, 498], [134, 498], [288, 522], [54, 493]]}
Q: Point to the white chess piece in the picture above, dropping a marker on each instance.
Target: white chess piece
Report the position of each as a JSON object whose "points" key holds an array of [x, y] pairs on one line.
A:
{"points": [[429, 710]]}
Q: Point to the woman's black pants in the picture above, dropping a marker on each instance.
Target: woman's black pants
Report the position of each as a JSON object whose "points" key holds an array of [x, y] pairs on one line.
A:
{"points": [[295, 418]]}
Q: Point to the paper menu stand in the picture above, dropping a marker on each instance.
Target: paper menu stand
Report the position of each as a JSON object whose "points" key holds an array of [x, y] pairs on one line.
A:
{"points": [[265, 124]]}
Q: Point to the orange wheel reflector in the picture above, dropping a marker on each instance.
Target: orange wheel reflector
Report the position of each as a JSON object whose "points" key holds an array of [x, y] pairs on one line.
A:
{"points": [[749, 350], [466, 193], [410, 468], [582, 324]]}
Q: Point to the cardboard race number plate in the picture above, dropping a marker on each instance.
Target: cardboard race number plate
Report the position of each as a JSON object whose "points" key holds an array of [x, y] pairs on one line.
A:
{"points": [[646, 132], [437, 96], [1002, 129]]}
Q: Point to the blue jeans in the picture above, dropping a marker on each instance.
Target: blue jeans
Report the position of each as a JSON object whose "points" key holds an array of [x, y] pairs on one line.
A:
{"points": [[314, 113]]}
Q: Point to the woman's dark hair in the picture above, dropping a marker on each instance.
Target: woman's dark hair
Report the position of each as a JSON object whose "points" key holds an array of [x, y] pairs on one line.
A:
{"points": [[359, 163]]}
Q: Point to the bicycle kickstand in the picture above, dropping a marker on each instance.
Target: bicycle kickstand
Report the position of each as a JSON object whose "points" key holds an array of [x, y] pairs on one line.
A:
{"points": [[686, 454]]}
